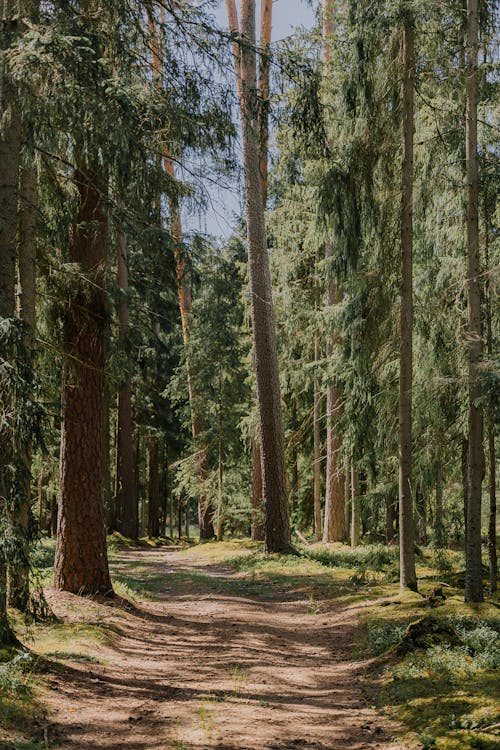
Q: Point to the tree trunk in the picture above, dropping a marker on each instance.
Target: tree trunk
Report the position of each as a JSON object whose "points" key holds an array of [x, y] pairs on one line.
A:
{"points": [[355, 507], [473, 566], [205, 509], [153, 489], [408, 578], [10, 147], [220, 478], [83, 567], [126, 496], [277, 525]]}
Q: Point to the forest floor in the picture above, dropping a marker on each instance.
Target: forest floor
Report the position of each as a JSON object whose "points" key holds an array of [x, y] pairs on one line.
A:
{"points": [[216, 647]]}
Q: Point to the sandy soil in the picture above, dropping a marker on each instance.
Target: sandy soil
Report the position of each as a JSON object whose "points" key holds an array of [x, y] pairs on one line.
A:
{"points": [[202, 669]]}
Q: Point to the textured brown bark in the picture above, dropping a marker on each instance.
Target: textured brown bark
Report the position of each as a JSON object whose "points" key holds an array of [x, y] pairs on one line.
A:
{"points": [[126, 487], [465, 484], [10, 147], [81, 564], [407, 573], [205, 508], [153, 488], [277, 537], [473, 561], [266, 19]]}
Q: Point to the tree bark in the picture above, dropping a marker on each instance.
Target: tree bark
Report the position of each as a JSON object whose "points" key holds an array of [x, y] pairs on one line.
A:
{"points": [[126, 488], [81, 563], [473, 565], [317, 428], [277, 526], [153, 489], [408, 578], [438, 521], [10, 148]]}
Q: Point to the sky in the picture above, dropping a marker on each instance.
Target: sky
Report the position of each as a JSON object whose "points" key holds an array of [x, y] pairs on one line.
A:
{"points": [[219, 218]]}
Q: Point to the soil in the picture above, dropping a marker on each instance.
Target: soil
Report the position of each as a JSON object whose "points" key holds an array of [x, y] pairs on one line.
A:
{"points": [[203, 668]]}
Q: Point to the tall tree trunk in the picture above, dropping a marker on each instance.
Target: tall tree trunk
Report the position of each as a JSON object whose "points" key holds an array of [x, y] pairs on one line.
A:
{"points": [[126, 495], [408, 577], [277, 525], [473, 566], [10, 148], [355, 507], [153, 488], [205, 509], [19, 588], [334, 528], [83, 567]]}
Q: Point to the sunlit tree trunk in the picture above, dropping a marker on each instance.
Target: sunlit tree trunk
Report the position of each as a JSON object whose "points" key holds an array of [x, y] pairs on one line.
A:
{"points": [[408, 578], [277, 528], [473, 567]]}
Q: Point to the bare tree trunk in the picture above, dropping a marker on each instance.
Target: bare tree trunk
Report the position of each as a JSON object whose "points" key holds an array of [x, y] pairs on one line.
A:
{"points": [[408, 577], [355, 508], [153, 488], [126, 488], [266, 358], [438, 521], [205, 509], [83, 568], [473, 567]]}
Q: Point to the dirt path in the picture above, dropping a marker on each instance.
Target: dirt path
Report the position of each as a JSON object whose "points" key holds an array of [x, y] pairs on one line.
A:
{"points": [[204, 668]]}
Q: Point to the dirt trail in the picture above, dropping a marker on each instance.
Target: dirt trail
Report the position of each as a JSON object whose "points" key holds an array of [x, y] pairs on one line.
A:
{"points": [[204, 668]]}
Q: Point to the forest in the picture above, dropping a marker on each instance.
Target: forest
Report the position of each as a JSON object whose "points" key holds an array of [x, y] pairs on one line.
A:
{"points": [[249, 374]]}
